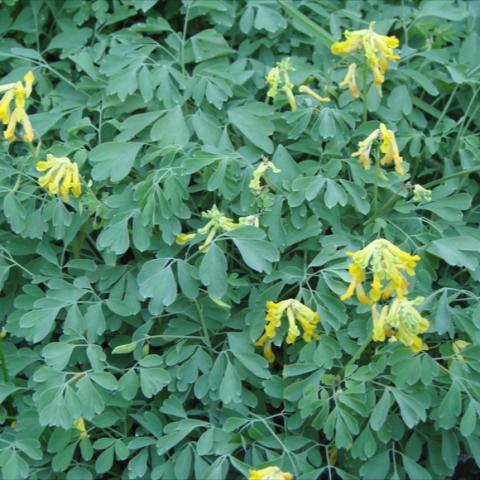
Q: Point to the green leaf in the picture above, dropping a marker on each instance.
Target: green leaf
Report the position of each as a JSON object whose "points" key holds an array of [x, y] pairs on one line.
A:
{"points": [[441, 9], [113, 160], [104, 461], [62, 460], [254, 363], [152, 380], [115, 237], [57, 355], [414, 470], [469, 419], [230, 386], [411, 410], [39, 322], [450, 407], [377, 467], [156, 280], [171, 129], [461, 251], [252, 122], [305, 24], [213, 272], [443, 315], [256, 252], [380, 411]]}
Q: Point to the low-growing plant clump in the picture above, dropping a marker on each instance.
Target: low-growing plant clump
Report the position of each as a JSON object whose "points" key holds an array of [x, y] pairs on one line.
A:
{"points": [[239, 240]]}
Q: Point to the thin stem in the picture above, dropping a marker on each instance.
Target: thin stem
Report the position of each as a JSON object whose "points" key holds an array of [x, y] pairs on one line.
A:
{"points": [[365, 90], [184, 37], [3, 361], [449, 177], [204, 325], [357, 354]]}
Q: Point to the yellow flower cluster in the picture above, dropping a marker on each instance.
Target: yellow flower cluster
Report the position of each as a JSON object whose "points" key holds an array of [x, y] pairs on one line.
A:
{"points": [[385, 262], [278, 77], [16, 92], [259, 172], [295, 311], [378, 50], [388, 147], [269, 473], [218, 222], [62, 176], [400, 321]]}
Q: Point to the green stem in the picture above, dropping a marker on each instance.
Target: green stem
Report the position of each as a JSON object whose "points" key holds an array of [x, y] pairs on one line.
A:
{"points": [[378, 171], [433, 183], [364, 91], [206, 336], [3, 362], [357, 354]]}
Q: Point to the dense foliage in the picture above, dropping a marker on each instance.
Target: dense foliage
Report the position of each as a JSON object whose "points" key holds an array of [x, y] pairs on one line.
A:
{"points": [[172, 190]]}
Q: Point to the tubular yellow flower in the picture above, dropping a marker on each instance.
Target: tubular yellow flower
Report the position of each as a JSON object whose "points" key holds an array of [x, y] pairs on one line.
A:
{"points": [[350, 80], [62, 176], [79, 424], [259, 172], [364, 149], [402, 321], [217, 222], [183, 238], [385, 262], [390, 149], [17, 92], [296, 311], [378, 50], [458, 346], [273, 80], [269, 473], [316, 96], [278, 78]]}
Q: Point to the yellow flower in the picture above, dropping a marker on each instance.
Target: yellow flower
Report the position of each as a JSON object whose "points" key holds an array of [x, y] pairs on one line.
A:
{"points": [[183, 238], [269, 473], [378, 50], [364, 149], [277, 78], [79, 424], [259, 172], [17, 92], [296, 311], [458, 346], [390, 149], [316, 96], [273, 80], [217, 222], [350, 80], [402, 321], [62, 176], [385, 262]]}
